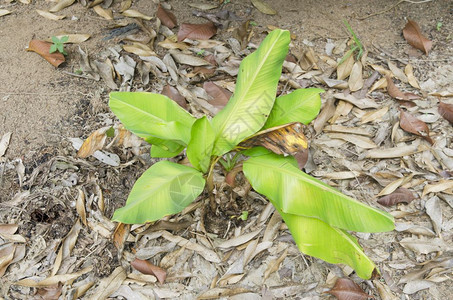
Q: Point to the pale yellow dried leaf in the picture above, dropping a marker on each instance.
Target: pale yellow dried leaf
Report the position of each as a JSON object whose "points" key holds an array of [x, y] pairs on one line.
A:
{"points": [[355, 82], [136, 14], [272, 228], [395, 152], [25, 1], [105, 13], [67, 245], [80, 207], [143, 277], [360, 103], [383, 71], [374, 115], [49, 15], [242, 239], [397, 72], [17, 238], [169, 260], [409, 71], [61, 4], [125, 5], [358, 140], [109, 284], [342, 175], [203, 6], [82, 289], [139, 49], [391, 187], [343, 109], [6, 257], [8, 228], [101, 203], [345, 68], [442, 186], [380, 84], [442, 94], [384, 291], [186, 59], [169, 44], [328, 60], [264, 7], [275, 265], [4, 12], [54, 279], [345, 129], [93, 143], [74, 38], [249, 250], [208, 44], [203, 251]]}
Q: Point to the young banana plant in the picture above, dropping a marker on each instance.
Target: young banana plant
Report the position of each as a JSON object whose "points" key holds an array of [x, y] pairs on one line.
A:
{"points": [[318, 216]]}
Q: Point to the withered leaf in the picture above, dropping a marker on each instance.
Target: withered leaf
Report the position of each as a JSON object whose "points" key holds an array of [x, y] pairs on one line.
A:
{"points": [[415, 38], [93, 143], [172, 93], [146, 267], [49, 15], [286, 139], [264, 7], [413, 125], [446, 111], [61, 4], [43, 48], [136, 14], [166, 17], [196, 31], [120, 235], [346, 289], [409, 71], [4, 12], [326, 113], [355, 79], [52, 292], [219, 94], [345, 68], [105, 13], [398, 196], [396, 93]]}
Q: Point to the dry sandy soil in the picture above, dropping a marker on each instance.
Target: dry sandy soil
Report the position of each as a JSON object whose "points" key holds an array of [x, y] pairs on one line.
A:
{"points": [[43, 106]]}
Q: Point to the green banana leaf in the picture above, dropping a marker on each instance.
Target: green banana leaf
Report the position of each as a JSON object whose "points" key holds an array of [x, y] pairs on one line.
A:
{"points": [[316, 238], [294, 192], [301, 105], [166, 149], [200, 146], [151, 116], [164, 189], [254, 96]]}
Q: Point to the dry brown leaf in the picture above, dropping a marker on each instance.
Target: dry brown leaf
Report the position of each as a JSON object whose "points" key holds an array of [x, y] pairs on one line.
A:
{"points": [[383, 71], [80, 207], [139, 49], [239, 240], [51, 292], [362, 103], [445, 110], [220, 95], [346, 289], [326, 113], [397, 94], [54, 279], [275, 265], [434, 211], [345, 129], [43, 48], [106, 71], [196, 31], [66, 247], [135, 14], [424, 246], [61, 4], [4, 143], [93, 143], [398, 196], [438, 187], [172, 93], [395, 152], [398, 73], [355, 78], [206, 253], [168, 43], [409, 71], [108, 285], [166, 17], [49, 15], [414, 37], [4, 12], [73, 38], [148, 268], [125, 5], [413, 125], [264, 7], [392, 186], [345, 68], [203, 6], [358, 140], [120, 235], [105, 13], [374, 115], [186, 59], [8, 228], [285, 140], [6, 256]]}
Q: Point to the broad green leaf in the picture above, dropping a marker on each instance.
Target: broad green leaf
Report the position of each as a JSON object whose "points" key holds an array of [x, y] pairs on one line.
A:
{"points": [[53, 48], [302, 106], [254, 96], [64, 39], [199, 150], [295, 192], [151, 115], [165, 188], [55, 39], [256, 151], [158, 151], [316, 238]]}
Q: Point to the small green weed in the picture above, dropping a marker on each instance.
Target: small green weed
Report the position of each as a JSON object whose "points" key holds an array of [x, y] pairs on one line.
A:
{"points": [[58, 44]]}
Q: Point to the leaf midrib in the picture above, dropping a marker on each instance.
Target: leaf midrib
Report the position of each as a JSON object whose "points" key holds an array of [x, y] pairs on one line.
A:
{"points": [[232, 113]]}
